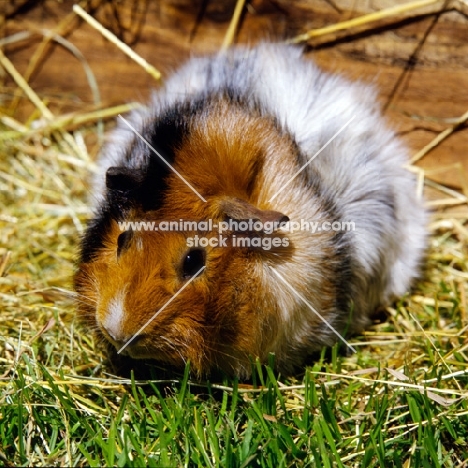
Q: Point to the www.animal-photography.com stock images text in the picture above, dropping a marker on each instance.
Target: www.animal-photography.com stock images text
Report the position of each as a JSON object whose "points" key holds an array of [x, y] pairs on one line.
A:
{"points": [[234, 233]]}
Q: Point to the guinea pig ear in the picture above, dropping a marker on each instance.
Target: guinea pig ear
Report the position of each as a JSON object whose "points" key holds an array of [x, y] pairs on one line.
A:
{"points": [[238, 209], [123, 179]]}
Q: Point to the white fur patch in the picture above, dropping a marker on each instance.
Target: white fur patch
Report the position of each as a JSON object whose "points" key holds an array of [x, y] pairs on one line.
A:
{"points": [[115, 316]]}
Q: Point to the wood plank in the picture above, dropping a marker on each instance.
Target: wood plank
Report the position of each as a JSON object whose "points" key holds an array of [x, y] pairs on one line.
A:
{"points": [[419, 64]]}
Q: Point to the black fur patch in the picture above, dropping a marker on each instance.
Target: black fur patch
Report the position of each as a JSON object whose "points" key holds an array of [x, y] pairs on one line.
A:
{"points": [[93, 237], [163, 135], [123, 179]]}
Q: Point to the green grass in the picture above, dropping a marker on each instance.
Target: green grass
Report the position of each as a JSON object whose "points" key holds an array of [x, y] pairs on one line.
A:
{"points": [[329, 418]]}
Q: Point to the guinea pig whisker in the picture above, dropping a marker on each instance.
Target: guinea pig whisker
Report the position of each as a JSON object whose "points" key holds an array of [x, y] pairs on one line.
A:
{"points": [[170, 345], [86, 300]]}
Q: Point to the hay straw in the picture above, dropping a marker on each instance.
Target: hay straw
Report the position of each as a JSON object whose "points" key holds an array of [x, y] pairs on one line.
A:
{"points": [[441, 188], [460, 172], [33, 97], [40, 52], [233, 25], [117, 42], [439, 138], [14, 124], [4, 262], [23, 84], [445, 202], [84, 63], [361, 20], [63, 122], [16, 37]]}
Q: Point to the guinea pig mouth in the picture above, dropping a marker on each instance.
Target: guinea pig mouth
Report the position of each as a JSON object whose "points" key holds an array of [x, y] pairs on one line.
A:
{"points": [[143, 347], [133, 351], [140, 351]]}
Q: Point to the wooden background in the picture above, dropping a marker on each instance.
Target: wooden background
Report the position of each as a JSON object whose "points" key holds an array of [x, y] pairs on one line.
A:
{"points": [[418, 60]]}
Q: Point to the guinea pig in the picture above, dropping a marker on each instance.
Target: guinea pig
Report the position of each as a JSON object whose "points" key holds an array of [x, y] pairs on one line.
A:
{"points": [[260, 142]]}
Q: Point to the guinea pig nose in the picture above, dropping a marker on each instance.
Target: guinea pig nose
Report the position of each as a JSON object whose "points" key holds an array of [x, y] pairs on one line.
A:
{"points": [[121, 338]]}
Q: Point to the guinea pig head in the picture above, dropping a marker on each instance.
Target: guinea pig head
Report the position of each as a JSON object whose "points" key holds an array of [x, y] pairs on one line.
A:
{"points": [[132, 294], [155, 294]]}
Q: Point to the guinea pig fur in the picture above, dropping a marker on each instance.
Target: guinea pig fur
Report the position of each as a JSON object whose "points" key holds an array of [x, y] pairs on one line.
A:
{"points": [[238, 127]]}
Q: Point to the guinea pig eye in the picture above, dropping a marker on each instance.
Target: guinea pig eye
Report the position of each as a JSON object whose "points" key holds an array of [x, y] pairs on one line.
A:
{"points": [[123, 242], [193, 262]]}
